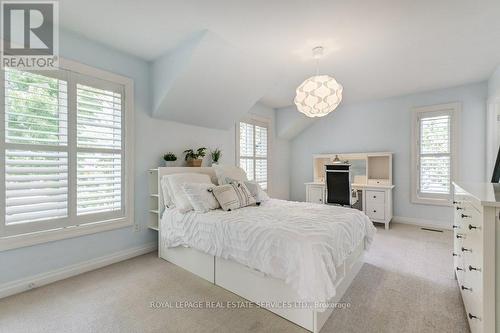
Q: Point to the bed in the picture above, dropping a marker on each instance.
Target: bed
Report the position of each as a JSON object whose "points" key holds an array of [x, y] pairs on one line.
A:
{"points": [[295, 259]]}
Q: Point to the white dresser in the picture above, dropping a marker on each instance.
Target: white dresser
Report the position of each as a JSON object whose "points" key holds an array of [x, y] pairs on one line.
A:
{"points": [[476, 245]]}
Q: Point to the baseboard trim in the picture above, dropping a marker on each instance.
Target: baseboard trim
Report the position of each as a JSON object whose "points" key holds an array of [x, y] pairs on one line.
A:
{"points": [[35, 281], [422, 222]]}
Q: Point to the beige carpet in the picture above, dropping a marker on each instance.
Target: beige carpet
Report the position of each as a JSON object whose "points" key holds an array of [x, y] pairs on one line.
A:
{"points": [[406, 285]]}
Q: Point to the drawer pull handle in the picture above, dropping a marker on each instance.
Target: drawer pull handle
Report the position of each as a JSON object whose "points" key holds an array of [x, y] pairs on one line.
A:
{"points": [[459, 208], [466, 216], [459, 269], [456, 226], [472, 227], [374, 197], [465, 288], [474, 269], [454, 254], [466, 250], [460, 236], [471, 316], [456, 202]]}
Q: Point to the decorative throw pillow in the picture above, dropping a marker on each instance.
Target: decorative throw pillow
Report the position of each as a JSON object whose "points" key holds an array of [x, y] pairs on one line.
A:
{"points": [[233, 196], [175, 181], [229, 171], [200, 196], [258, 193]]}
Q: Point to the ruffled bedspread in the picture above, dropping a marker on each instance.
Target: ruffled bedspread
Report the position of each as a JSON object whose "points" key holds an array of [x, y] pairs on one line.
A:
{"points": [[300, 243]]}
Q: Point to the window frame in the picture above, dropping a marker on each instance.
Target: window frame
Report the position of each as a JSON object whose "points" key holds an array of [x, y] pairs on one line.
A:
{"points": [[73, 225], [262, 122], [454, 111]]}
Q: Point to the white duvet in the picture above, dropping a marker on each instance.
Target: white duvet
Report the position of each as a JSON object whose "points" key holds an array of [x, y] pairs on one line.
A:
{"points": [[300, 243]]}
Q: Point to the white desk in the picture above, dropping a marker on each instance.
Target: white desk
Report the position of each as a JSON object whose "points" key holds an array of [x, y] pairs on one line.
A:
{"points": [[377, 199]]}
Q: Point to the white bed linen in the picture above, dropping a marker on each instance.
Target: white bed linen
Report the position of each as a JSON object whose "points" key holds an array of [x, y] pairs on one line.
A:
{"points": [[300, 243]]}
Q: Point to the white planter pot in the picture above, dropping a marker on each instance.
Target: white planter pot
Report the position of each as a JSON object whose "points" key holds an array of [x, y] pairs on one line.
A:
{"points": [[169, 163]]}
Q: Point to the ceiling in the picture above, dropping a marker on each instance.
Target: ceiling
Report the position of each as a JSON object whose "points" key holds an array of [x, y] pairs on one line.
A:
{"points": [[375, 49]]}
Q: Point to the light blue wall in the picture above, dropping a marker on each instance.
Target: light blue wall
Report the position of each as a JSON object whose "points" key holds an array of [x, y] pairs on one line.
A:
{"points": [[384, 125]]}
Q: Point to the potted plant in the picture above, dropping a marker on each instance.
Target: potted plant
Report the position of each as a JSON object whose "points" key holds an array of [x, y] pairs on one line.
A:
{"points": [[170, 159], [194, 159], [215, 155]]}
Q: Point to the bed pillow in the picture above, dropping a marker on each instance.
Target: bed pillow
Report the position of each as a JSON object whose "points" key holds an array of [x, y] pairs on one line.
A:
{"points": [[176, 192], [233, 196], [167, 199], [229, 171], [258, 193], [201, 196]]}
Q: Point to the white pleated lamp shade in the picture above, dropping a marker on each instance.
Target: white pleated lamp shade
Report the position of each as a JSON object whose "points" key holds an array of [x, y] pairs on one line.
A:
{"points": [[318, 96]]}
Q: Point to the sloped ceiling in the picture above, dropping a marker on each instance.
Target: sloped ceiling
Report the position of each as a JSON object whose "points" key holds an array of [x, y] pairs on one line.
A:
{"points": [[207, 82], [290, 122]]}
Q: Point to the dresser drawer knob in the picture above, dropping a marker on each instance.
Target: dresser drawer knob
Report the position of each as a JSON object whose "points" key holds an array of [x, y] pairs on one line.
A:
{"points": [[459, 208], [474, 269], [454, 254], [466, 249], [459, 269], [466, 288], [466, 216], [460, 236], [456, 226], [472, 227], [471, 316], [456, 202]]}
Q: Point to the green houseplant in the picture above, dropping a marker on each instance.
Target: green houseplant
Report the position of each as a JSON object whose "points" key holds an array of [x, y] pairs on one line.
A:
{"points": [[215, 155], [170, 159], [194, 159]]}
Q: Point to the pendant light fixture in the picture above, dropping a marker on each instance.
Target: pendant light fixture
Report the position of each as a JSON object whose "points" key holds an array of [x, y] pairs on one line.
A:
{"points": [[320, 94]]}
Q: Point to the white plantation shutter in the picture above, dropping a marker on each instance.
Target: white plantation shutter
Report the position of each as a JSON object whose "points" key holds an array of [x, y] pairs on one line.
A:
{"points": [[99, 118], [63, 151], [253, 151], [36, 149], [435, 152], [36, 184], [36, 110], [99, 165]]}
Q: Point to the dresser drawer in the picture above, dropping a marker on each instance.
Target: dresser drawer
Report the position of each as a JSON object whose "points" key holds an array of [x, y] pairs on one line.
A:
{"points": [[472, 250], [459, 267], [473, 300], [315, 194], [470, 215], [375, 211], [375, 197]]}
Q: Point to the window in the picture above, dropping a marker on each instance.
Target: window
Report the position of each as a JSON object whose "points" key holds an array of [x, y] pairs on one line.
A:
{"points": [[253, 150], [65, 148], [434, 153]]}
